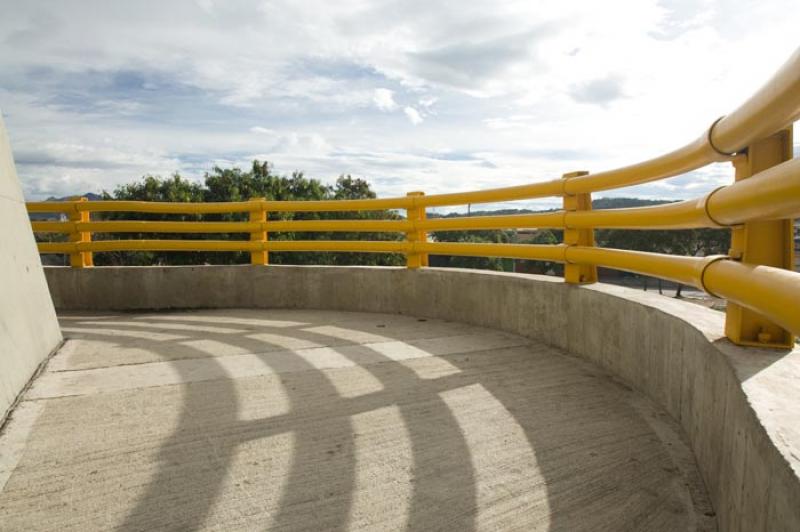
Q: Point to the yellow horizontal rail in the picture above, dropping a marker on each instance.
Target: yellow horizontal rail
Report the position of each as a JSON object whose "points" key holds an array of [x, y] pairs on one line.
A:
{"points": [[773, 292], [690, 157], [769, 195], [535, 190], [357, 226], [775, 106], [390, 246]]}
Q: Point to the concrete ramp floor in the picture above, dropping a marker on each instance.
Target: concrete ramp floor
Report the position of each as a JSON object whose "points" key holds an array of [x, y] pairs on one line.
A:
{"points": [[318, 420]]}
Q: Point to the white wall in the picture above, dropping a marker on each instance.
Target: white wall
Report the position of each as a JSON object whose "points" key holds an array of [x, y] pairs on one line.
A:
{"points": [[28, 326]]}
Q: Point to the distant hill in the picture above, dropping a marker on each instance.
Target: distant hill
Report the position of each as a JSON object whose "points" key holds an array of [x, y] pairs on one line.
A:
{"points": [[91, 196], [624, 203], [600, 203], [45, 216]]}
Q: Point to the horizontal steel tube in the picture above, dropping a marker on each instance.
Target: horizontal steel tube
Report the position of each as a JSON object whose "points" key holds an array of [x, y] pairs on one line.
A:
{"points": [[163, 207], [773, 292], [690, 157], [774, 106], [679, 215], [685, 270], [534, 190], [771, 194], [397, 226], [392, 246], [160, 207]]}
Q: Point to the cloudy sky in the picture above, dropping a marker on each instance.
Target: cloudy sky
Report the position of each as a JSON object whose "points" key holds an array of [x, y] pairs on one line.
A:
{"points": [[411, 95]]}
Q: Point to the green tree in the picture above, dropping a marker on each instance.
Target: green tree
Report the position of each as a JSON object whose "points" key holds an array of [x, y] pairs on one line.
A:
{"points": [[234, 184], [478, 237], [541, 237]]}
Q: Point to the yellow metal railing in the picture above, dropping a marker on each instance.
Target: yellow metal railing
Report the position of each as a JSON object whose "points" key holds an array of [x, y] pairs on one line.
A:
{"points": [[763, 295]]}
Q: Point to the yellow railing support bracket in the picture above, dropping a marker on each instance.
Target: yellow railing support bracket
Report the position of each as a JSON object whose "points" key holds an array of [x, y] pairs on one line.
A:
{"points": [[766, 243], [582, 201], [80, 259], [416, 213], [259, 258]]}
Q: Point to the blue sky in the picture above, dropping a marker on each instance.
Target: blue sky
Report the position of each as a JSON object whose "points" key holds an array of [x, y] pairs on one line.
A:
{"points": [[410, 95]]}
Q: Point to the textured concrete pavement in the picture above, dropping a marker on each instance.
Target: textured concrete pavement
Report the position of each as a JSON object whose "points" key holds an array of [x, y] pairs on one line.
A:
{"points": [[320, 420]]}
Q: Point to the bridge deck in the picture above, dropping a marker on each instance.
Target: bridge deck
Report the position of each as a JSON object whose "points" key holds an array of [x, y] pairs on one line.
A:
{"points": [[315, 420]]}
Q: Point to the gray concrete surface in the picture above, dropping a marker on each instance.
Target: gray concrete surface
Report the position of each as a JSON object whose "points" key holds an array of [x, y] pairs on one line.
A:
{"points": [[738, 407], [326, 420], [28, 327]]}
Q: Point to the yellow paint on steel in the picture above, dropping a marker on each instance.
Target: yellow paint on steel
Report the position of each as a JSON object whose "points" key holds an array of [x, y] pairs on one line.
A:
{"points": [[391, 246], [534, 190], [259, 217], [749, 205], [147, 227], [80, 259], [573, 236], [414, 214], [690, 157], [355, 226], [771, 194], [773, 292], [685, 270], [145, 206], [680, 215], [775, 106], [762, 242]]}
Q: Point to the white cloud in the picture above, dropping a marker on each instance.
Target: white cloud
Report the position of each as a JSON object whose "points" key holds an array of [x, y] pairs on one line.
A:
{"points": [[102, 91], [384, 100], [413, 115], [262, 130]]}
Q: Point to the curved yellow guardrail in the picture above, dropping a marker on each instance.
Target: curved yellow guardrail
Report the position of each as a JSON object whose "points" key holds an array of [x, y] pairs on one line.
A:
{"points": [[763, 295]]}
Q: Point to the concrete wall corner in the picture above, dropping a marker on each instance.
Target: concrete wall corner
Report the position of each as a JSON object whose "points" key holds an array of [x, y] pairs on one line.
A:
{"points": [[29, 329]]}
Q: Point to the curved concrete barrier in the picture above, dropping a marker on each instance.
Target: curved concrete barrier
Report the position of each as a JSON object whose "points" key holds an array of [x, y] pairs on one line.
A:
{"points": [[738, 407]]}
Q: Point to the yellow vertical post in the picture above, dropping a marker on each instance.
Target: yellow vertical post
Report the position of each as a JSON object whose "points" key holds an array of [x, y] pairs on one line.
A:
{"points": [[416, 260], [578, 273], [762, 242], [260, 258], [80, 259]]}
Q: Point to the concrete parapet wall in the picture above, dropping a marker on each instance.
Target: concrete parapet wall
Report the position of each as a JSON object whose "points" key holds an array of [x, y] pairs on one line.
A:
{"points": [[28, 327], [739, 407]]}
